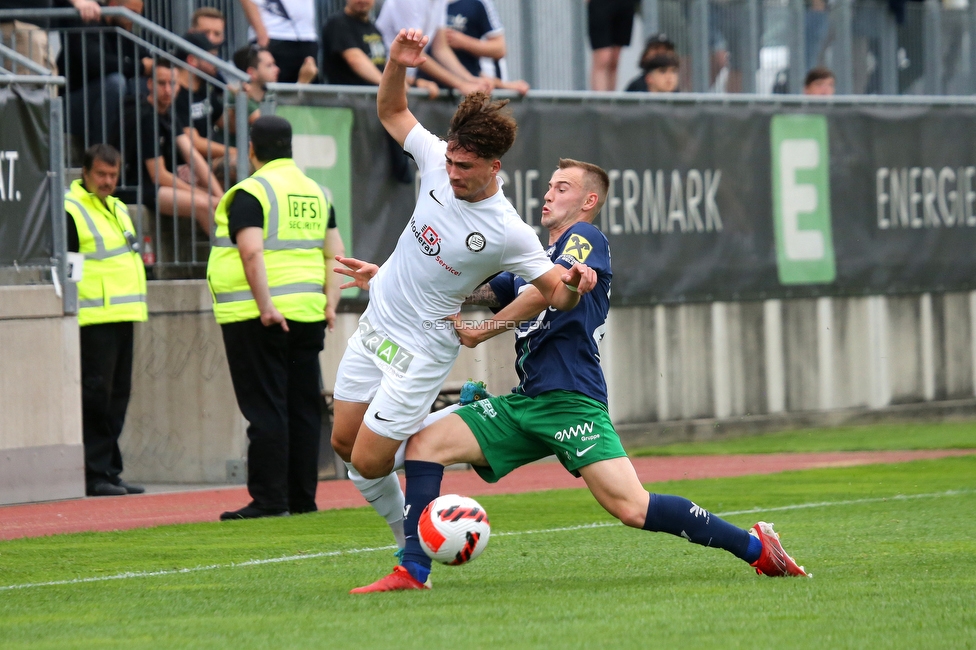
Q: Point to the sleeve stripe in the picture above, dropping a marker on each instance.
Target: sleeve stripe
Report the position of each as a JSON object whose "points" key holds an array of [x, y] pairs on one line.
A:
{"points": [[496, 23]]}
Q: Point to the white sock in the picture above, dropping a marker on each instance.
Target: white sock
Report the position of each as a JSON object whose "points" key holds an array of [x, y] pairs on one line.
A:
{"points": [[386, 497]]}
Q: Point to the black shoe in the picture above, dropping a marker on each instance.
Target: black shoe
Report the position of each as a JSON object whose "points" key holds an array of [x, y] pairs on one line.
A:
{"points": [[105, 489], [130, 488], [250, 512]]}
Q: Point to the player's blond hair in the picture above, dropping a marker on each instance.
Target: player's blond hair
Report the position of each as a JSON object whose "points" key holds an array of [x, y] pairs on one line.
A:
{"points": [[594, 179], [482, 127]]}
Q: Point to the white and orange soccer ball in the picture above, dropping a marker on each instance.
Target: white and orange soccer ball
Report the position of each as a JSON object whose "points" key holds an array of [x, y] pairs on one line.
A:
{"points": [[453, 529]]}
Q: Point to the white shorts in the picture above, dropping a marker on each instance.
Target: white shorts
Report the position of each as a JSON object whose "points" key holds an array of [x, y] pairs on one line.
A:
{"points": [[399, 386]]}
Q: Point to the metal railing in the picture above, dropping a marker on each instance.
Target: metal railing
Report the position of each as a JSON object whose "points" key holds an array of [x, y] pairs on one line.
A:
{"points": [[106, 96], [767, 46], [756, 46]]}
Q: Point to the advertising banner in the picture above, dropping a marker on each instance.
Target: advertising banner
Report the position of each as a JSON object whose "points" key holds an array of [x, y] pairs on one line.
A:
{"points": [[26, 235], [722, 201]]}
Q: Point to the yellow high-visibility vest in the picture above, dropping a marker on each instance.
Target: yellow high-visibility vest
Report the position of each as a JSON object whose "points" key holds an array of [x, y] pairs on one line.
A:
{"points": [[296, 215], [113, 279]]}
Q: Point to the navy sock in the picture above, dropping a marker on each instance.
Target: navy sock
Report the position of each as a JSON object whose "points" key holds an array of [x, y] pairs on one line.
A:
{"points": [[754, 550], [679, 516], [423, 486]]}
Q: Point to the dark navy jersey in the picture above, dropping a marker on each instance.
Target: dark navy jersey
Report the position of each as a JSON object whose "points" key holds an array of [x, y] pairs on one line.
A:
{"points": [[559, 350]]}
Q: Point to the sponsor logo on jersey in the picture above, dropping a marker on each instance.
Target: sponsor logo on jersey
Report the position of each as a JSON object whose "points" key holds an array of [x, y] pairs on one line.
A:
{"points": [[475, 242], [577, 247], [447, 267], [427, 237], [582, 431]]}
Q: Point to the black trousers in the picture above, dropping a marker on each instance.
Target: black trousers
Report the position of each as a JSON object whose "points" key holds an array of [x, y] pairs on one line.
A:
{"points": [[276, 381], [106, 381], [289, 57]]}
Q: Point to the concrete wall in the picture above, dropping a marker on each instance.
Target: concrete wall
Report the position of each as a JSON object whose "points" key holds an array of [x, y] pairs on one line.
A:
{"points": [[41, 456], [728, 360], [690, 369], [183, 423]]}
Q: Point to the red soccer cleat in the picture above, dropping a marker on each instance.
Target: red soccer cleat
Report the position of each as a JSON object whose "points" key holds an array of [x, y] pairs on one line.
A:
{"points": [[774, 561], [399, 580]]}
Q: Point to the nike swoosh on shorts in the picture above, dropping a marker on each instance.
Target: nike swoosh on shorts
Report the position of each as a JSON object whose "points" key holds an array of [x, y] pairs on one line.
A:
{"points": [[579, 454]]}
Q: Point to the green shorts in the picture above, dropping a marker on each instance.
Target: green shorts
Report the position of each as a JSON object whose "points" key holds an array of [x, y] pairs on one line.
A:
{"points": [[514, 430]]}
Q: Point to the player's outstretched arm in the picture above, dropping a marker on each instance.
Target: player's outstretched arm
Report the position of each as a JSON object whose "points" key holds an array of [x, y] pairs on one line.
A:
{"points": [[407, 51], [361, 272], [525, 307], [563, 287]]}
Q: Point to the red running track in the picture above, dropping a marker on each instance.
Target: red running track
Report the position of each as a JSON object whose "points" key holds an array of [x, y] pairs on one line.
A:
{"points": [[147, 510]]}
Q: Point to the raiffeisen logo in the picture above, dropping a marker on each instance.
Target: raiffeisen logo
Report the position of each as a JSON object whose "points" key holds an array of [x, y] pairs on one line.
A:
{"points": [[430, 241]]}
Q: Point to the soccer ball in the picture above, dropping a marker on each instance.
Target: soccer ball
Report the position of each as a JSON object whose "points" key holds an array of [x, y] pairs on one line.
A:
{"points": [[453, 529]]}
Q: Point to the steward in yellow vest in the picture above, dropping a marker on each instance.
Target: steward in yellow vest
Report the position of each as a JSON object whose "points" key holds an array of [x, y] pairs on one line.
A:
{"points": [[111, 296], [295, 215], [267, 275], [113, 279]]}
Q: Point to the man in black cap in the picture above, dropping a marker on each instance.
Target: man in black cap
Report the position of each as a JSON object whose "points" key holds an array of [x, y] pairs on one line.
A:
{"points": [[273, 300]]}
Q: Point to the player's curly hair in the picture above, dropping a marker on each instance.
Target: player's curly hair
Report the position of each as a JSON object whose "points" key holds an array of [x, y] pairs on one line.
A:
{"points": [[482, 127]]}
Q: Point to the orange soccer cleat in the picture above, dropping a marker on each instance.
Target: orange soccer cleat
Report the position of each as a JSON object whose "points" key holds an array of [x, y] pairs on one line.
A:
{"points": [[773, 561], [399, 580]]}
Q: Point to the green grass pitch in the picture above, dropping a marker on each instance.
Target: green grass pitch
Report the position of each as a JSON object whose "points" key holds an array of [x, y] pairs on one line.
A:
{"points": [[888, 572]]}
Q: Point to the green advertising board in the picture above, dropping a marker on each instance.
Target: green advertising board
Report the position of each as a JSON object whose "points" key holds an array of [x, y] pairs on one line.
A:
{"points": [[801, 199], [321, 149]]}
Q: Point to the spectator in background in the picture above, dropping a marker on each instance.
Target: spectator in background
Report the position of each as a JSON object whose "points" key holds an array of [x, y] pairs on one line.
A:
{"points": [[610, 23], [819, 81], [656, 45], [353, 50], [354, 54], [661, 74], [152, 160], [726, 41], [81, 58], [210, 22], [430, 16], [288, 29], [478, 39], [199, 104], [30, 39], [258, 62]]}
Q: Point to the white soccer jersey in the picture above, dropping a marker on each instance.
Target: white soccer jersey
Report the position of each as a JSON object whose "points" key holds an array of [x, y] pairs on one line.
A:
{"points": [[287, 20], [428, 15], [447, 250]]}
